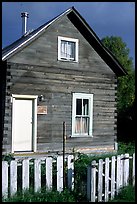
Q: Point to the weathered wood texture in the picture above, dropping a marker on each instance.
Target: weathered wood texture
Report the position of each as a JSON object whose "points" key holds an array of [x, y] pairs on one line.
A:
{"points": [[36, 70]]}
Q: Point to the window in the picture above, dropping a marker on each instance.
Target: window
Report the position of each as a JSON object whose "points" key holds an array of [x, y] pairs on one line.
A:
{"points": [[67, 49], [82, 114]]}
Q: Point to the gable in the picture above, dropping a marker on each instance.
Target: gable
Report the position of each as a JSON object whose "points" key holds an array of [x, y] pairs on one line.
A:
{"points": [[43, 51], [80, 27]]}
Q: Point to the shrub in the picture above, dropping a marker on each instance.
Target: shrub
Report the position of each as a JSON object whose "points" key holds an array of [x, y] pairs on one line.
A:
{"points": [[43, 196]]}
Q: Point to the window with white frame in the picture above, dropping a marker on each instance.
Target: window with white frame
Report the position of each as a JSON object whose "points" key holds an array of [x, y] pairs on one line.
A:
{"points": [[82, 114], [67, 49]]}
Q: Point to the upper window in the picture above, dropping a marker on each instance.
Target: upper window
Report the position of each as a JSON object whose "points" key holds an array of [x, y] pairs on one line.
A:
{"points": [[67, 49]]}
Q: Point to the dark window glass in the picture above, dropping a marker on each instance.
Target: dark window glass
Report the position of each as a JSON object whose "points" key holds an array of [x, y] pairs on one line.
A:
{"points": [[85, 106], [78, 106]]}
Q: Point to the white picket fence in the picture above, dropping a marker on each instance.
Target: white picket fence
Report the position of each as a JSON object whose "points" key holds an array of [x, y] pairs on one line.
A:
{"points": [[10, 174], [106, 178]]}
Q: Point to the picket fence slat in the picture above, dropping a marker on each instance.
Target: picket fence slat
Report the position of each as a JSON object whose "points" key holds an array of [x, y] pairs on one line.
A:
{"points": [[13, 177], [121, 170], [70, 161], [59, 173], [126, 170], [100, 180], [25, 174], [48, 173], [106, 178], [37, 175], [113, 176], [93, 181], [5, 179], [118, 182]]}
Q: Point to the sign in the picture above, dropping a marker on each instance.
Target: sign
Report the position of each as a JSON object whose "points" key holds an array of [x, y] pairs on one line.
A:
{"points": [[42, 110]]}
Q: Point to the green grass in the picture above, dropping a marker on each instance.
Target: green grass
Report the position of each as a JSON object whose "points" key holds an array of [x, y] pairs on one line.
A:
{"points": [[43, 196], [126, 194]]}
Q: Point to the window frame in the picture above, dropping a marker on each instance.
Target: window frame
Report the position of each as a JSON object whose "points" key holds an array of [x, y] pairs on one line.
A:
{"points": [[90, 98], [76, 41]]}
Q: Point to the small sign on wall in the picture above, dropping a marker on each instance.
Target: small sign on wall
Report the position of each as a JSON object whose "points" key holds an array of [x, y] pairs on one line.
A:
{"points": [[42, 110]]}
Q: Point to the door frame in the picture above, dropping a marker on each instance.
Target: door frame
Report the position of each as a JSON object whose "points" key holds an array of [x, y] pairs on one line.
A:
{"points": [[34, 127]]}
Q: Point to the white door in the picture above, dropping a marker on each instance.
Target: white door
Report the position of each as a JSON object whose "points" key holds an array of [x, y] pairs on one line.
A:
{"points": [[22, 125]]}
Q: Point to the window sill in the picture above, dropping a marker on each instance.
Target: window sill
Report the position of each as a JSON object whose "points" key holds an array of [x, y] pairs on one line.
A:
{"points": [[63, 60], [80, 136]]}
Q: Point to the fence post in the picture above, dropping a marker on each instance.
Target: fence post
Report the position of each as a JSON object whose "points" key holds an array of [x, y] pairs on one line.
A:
{"points": [[4, 179], [25, 174], [106, 178], [89, 183], [126, 170], [37, 175], [133, 174], [48, 173], [13, 177], [71, 172], [100, 184], [93, 181], [113, 177], [59, 173]]}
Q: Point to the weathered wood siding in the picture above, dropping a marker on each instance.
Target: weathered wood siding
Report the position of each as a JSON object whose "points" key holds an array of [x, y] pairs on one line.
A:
{"points": [[36, 70]]}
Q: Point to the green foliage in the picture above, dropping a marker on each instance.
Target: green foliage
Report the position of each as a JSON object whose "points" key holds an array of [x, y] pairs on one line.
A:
{"points": [[126, 91], [8, 157], [126, 194], [126, 84], [43, 196], [126, 148]]}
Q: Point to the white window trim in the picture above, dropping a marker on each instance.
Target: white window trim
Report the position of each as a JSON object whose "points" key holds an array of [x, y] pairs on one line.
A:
{"points": [[82, 96], [76, 41], [34, 98]]}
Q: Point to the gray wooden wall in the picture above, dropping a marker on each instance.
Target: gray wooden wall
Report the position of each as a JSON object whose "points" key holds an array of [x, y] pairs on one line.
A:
{"points": [[35, 70]]}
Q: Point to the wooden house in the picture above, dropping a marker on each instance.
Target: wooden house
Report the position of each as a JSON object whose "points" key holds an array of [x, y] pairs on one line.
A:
{"points": [[59, 72]]}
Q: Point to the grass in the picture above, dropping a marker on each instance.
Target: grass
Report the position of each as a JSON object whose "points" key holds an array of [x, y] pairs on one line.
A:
{"points": [[42, 196], [126, 194]]}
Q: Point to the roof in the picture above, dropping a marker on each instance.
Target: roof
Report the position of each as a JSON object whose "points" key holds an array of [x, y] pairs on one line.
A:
{"points": [[83, 27]]}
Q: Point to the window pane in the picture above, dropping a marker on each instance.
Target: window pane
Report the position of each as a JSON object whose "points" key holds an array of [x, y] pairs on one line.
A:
{"points": [[63, 49], [78, 125], [85, 125], [85, 107], [78, 106], [71, 46], [67, 50]]}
